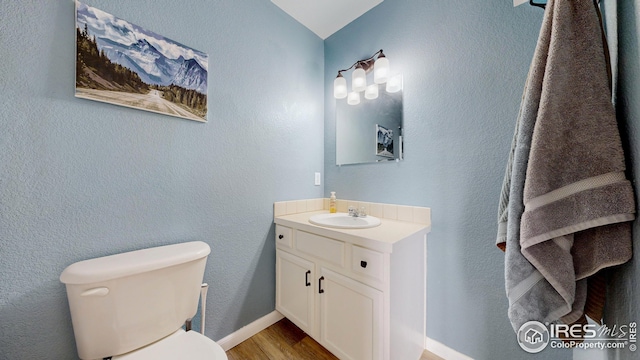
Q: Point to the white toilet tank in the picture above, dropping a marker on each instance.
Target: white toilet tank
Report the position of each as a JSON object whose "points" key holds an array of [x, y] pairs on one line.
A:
{"points": [[123, 302]]}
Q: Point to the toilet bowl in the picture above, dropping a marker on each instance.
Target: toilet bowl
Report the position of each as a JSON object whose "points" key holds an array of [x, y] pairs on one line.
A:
{"points": [[179, 345], [132, 306]]}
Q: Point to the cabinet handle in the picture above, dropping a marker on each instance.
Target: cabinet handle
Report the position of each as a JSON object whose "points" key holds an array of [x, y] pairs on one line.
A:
{"points": [[306, 278], [363, 264], [280, 236], [320, 289]]}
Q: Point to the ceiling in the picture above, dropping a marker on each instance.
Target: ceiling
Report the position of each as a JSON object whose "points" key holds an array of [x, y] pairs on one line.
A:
{"points": [[324, 17]]}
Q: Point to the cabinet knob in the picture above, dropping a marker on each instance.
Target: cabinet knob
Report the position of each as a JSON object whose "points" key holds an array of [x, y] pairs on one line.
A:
{"points": [[280, 236], [363, 264]]}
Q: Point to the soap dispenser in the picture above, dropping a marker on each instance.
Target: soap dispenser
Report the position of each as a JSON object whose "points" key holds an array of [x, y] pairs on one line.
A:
{"points": [[332, 203]]}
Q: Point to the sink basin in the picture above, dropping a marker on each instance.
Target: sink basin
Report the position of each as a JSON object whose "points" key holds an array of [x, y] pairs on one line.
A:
{"points": [[344, 221]]}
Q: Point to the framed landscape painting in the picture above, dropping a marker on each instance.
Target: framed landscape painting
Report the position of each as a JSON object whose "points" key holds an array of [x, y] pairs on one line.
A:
{"points": [[121, 63], [384, 141]]}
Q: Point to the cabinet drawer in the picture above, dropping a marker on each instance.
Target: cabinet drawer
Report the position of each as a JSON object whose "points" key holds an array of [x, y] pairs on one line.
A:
{"points": [[320, 247], [284, 236], [367, 262]]}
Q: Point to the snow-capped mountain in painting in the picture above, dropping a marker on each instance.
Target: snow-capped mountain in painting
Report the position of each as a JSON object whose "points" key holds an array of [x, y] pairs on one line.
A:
{"points": [[191, 75], [156, 59]]}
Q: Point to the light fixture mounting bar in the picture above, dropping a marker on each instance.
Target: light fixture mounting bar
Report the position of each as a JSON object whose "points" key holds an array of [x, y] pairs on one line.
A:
{"points": [[367, 64]]}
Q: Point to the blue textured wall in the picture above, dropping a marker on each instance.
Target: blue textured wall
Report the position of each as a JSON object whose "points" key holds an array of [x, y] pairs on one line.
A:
{"points": [[464, 65], [80, 179]]}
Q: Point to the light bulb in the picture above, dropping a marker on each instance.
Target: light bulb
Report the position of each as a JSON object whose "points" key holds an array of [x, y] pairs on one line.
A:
{"points": [[394, 84], [354, 98], [340, 87], [381, 70], [371, 92], [359, 79]]}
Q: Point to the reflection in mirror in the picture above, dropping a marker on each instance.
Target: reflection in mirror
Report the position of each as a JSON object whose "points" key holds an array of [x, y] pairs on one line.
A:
{"points": [[370, 131]]}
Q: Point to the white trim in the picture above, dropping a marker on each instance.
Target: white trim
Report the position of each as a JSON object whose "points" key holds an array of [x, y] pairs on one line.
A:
{"points": [[248, 331], [524, 286], [424, 295], [444, 351], [605, 220], [574, 188]]}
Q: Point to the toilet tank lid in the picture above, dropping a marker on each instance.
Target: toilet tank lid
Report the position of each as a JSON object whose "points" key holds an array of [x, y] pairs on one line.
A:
{"points": [[133, 262]]}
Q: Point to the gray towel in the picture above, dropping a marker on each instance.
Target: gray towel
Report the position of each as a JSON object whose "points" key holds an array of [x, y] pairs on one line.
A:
{"points": [[565, 205]]}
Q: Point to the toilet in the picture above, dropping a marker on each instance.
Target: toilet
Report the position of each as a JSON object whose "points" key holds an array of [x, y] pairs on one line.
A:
{"points": [[132, 306]]}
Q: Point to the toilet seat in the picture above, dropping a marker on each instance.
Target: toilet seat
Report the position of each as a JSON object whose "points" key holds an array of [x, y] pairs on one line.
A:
{"points": [[177, 346]]}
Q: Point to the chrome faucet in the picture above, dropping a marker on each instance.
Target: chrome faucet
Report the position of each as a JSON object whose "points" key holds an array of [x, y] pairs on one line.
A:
{"points": [[353, 211]]}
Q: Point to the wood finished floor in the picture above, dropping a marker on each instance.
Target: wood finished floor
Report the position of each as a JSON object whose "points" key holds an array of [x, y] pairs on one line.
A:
{"points": [[285, 341]]}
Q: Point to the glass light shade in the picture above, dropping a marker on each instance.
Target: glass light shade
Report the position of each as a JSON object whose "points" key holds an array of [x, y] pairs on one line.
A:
{"points": [[394, 84], [353, 98], [359, 80], [371, 92], [381, 70], [340, 87]]}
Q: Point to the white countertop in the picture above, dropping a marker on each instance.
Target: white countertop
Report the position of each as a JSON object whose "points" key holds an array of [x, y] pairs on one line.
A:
{"points": [[379, 238]]}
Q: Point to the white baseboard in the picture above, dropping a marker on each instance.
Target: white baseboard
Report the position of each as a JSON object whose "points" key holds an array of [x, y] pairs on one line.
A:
{"points": [[248, 331], [273, 317], [444, 351]]}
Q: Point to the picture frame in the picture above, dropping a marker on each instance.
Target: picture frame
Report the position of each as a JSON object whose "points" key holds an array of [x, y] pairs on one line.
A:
{"points": [[384, 141], [121, 63]]}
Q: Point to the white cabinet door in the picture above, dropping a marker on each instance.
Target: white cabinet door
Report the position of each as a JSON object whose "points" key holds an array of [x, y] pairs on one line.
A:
{"points": [[295, 290], [351, 316]]}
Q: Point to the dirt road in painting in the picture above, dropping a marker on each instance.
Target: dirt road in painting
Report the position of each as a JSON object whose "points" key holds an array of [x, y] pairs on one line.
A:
{"points": [[151, 101]]}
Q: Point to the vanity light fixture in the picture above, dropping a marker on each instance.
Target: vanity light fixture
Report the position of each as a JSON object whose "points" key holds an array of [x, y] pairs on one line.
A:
{"points": [[353, 98], [380, 65], [394, 84], [371, 92]]}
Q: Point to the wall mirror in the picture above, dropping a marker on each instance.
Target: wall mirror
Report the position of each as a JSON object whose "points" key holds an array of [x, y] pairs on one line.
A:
{"points": [[370, 131]]}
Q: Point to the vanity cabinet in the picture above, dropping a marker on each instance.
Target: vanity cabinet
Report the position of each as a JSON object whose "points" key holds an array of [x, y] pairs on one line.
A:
{"points": [[295, 296], [359, 298], [350, 317]]}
